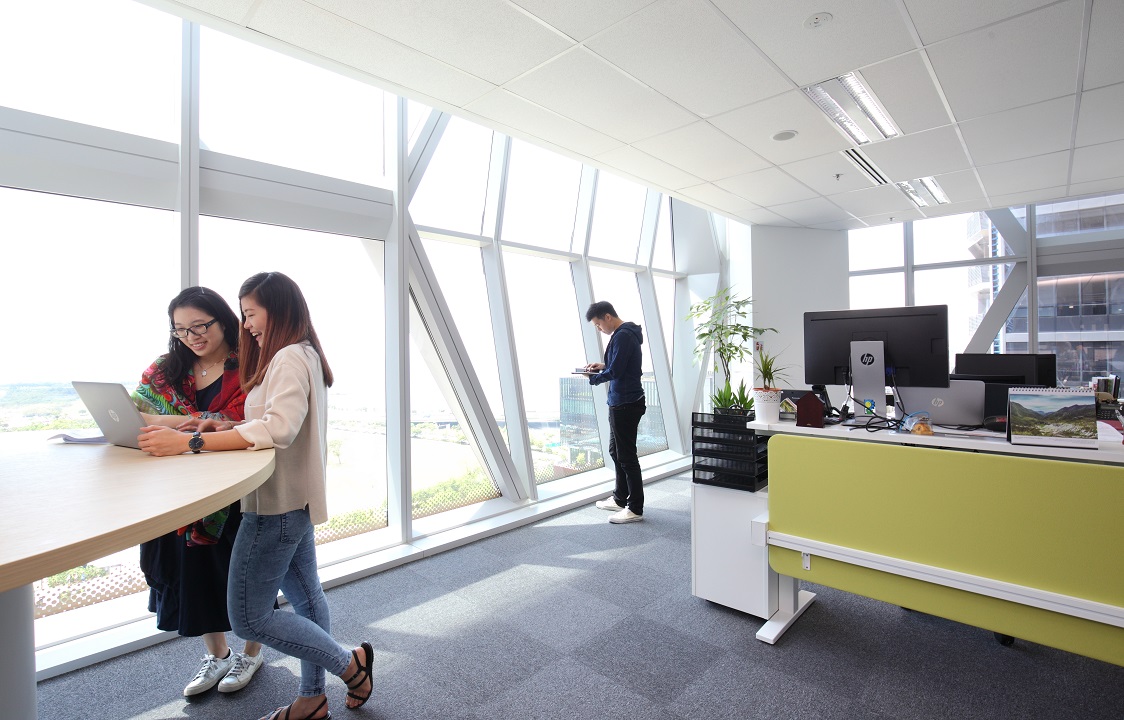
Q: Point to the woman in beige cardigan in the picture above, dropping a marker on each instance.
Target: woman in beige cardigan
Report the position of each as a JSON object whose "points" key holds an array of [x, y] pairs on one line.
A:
{"points": [[286, 378]]}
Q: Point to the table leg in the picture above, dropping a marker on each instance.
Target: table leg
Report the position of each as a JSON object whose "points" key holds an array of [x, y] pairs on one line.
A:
{"points": [[791, 604], [17, 661]]}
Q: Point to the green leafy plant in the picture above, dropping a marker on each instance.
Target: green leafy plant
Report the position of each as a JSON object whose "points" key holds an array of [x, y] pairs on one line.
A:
{"points": [[724, 330], [726, 398], [767, 369], [743, 398]]}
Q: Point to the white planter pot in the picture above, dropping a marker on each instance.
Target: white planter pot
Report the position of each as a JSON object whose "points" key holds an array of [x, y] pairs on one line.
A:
{"points": [[767, 404]]}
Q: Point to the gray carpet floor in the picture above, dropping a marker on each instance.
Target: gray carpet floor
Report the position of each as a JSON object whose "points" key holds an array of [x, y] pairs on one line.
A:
{"points": [[575, 618]]}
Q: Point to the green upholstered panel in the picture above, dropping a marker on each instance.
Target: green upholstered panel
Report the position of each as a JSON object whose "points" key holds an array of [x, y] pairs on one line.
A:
{"points": [[1048, 524]]}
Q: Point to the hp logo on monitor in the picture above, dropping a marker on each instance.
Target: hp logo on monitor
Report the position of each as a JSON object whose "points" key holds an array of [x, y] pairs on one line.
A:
{"points": [[867, 359]]}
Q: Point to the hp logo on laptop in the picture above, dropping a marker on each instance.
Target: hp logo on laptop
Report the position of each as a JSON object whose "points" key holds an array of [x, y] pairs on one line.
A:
{"points": [[113, 414], [938, 402]]}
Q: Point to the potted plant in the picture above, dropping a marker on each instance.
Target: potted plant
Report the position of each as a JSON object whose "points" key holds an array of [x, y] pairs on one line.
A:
{"points": [[724, 332], [737, 404], [768, 396]]}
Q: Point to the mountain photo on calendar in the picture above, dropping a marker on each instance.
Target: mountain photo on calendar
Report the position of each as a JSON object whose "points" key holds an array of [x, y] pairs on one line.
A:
{"points": [[1044, 414]]}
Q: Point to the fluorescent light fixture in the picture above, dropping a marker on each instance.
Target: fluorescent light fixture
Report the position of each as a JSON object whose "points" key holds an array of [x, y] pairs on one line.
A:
{"points": [[935, 190], [835, 111], [912, 194], [870, 108]]}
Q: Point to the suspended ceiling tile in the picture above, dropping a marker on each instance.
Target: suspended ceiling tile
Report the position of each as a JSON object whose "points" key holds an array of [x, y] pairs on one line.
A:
{"points": [[755, 125], [1027, 197], [861, 32], [504, 107], [340, 40], [1098, 162], [950, 209], [819, 173], [810, 212], [581, 18], [703, 150], [1102, 115], [941, 20], [873, 201], [236, 11], [1025, 175], [893, 217], [686, 51], [762, 216], [960, 186], [850, 224], [641, 164], [1024, 60], [710, 194], [906, 90], [1104, 60], [912, 156], [1030, 130], [1111, 185], [767, 187], [582, 86]]}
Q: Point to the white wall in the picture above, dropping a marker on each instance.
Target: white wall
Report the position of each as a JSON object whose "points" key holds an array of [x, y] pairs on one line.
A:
{"points": [[796, 270]]}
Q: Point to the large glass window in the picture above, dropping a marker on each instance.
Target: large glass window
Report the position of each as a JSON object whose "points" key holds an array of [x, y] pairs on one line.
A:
{"points": [[542, 197], [876, 247], [970, 236], [663, 255], [549, 345], [262, 105], [967, 291], [620, 289], [114, 64], [877, 291], [342, 279], [452, 192], [618, 214], [665, 297], [72, 317], [1077, 216]]}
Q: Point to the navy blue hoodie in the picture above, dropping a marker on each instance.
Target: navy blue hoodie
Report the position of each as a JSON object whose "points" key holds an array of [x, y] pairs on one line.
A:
{"points": [[622, 365]]}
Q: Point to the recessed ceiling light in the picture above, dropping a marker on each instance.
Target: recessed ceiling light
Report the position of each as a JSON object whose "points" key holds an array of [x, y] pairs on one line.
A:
{"points": [[817, 21], [785, 135]]}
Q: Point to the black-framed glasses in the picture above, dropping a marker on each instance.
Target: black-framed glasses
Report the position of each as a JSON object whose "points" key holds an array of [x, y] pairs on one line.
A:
{"points": [[196, 330]]}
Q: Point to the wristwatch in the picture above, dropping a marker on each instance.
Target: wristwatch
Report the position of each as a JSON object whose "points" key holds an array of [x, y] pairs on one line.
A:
{"points": [[196, 442]]}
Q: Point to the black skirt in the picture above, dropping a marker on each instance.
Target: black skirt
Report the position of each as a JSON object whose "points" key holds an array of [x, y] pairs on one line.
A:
{"points": [[187, 585]]}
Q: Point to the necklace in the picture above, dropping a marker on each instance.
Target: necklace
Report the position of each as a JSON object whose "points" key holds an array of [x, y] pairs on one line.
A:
{"points": [[212, 365]]}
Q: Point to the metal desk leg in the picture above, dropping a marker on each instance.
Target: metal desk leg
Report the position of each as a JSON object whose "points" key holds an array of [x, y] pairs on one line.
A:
{"points": [[792, 602], [17, 661]]}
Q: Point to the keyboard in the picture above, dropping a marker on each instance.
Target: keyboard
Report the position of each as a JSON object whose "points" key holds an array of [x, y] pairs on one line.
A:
{"points": [[1108, 411]]}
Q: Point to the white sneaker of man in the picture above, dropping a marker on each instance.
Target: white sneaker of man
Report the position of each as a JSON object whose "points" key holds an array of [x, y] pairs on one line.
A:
{"points": [[625, 516], [609, 503], [240, 673], [210, 672]]}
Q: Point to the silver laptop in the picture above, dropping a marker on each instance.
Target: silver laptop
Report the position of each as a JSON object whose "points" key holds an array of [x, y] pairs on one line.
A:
{"points": [[113, 410], [959, 404]]}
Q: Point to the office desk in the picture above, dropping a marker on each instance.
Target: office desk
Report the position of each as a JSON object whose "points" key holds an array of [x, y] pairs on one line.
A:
{"points": [[65, 505], [1021, 540]]}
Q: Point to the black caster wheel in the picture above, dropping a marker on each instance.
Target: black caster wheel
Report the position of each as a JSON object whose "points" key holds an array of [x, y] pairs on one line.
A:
{"points": [[1004, 640]]}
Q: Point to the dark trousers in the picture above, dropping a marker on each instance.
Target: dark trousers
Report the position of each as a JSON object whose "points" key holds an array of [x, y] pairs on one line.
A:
{"points": [[624, 420]]}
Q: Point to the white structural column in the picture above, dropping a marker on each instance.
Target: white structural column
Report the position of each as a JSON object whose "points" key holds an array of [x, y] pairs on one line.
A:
{"points": [[1015, 235], [1032, 277], [397, 300], [188, 197]]}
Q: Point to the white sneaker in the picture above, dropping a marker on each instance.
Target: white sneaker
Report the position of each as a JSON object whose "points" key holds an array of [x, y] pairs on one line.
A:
{"points": [[609, 503], [210, 672], [625, 516], [240, 673]]}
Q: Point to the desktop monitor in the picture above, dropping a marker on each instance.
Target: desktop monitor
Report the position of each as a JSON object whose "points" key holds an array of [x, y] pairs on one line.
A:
{"points": [[913, 343], [1034, 369]]}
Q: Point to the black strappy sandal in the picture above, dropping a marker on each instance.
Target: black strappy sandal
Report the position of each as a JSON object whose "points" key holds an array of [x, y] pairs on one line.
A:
{"points": [[361, 676], [288, 711]]}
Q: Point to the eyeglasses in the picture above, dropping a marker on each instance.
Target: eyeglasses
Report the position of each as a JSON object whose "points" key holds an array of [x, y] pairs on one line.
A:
{"points": [[196, 330]]}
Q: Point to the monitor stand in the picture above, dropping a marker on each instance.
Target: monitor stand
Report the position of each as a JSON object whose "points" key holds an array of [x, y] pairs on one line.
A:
{"points": [[868, 380]]}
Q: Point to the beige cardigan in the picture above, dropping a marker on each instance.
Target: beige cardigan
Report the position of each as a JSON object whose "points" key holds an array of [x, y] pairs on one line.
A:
{"points": [[288, 411]]}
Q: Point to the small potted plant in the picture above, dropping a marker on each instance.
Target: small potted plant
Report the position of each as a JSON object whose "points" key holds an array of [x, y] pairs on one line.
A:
{"points": [[768, 396], [728, 403]]}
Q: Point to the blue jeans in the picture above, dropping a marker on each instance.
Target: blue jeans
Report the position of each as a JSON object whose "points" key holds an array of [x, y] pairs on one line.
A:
{"points": [[278, 552]]}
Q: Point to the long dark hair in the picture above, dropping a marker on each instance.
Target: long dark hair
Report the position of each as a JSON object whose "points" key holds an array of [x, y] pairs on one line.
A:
{"points": [[288, 323], [180, 358]]}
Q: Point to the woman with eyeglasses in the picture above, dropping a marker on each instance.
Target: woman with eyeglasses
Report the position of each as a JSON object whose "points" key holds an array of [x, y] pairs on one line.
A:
{"points": [[287, 377], [187, 570]]}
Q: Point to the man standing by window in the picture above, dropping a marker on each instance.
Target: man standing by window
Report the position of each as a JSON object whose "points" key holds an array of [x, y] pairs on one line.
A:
{"points": [[621, 370]]}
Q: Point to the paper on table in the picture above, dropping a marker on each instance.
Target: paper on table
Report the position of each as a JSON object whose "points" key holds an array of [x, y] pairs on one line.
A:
{"points": [[91, 440]]}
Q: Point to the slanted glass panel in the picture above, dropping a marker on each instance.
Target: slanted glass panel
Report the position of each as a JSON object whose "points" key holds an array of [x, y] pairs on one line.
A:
{"points": [[259, 104], [455, 184], [967, 291], [445, 467], [877, 291], [876, 247], [620, 289], [460, 274], [665, 297], [416, 116], [549, 345], [663, 256], [969, 236], [618, 214], [341, 278], [70, 267], [113, 64], [542, 197]]}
